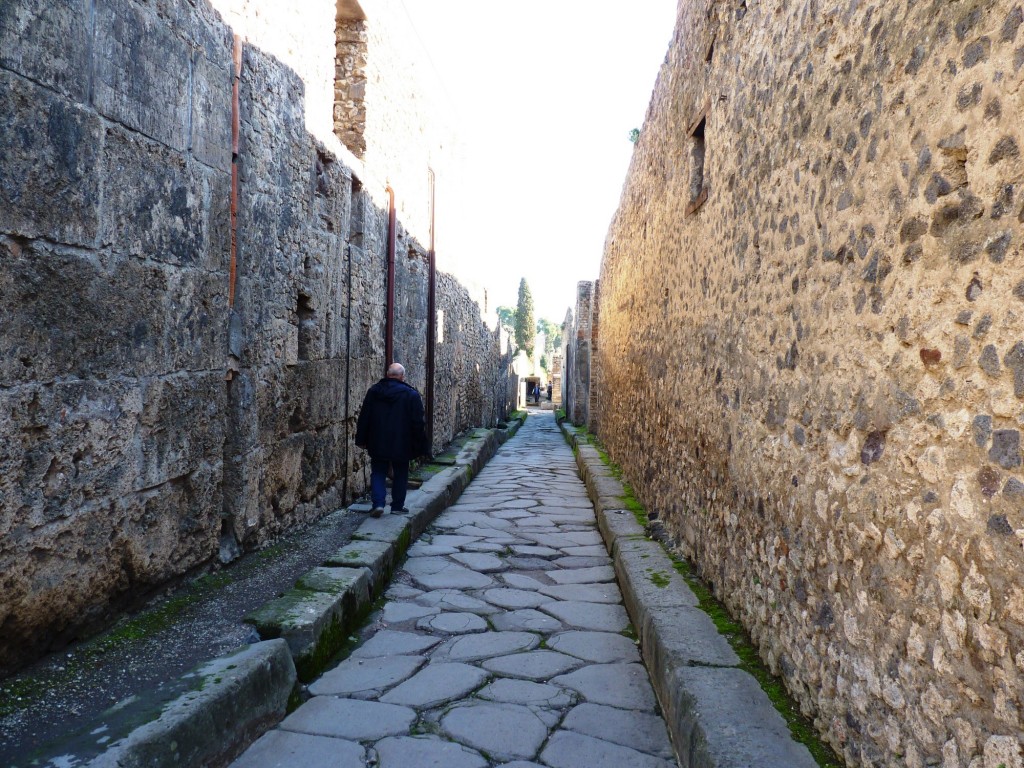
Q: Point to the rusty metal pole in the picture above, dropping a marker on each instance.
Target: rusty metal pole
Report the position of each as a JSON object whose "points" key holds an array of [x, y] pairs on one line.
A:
{"points": [[389, 319], [235, 132], [431, 317]]}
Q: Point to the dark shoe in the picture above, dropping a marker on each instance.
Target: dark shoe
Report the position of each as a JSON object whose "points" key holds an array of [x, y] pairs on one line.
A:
{"points": [[376, 511], [402, 511]]}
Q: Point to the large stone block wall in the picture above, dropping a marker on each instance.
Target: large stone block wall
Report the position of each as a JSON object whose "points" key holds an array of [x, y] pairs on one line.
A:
{"points": [[146, 427], [816, 294]]}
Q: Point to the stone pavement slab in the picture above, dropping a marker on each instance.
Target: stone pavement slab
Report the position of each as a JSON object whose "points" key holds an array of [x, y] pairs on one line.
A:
{"points": [[512, 691], [526, 620], [455, 600], [453, 623], [484, 546], [574, 561], [437, 684], [596, 616], [350, 719], [480, 561], [504, 731], [588, 593], [425, 752], [454, 576], [283, 749], [617, 685], [503, 597], [534, 665], [598, 575], [396, 613], [598, 647], [637, 730], [487, 645], [522, 581], [566, 749], [357, 675], [390, 642]]}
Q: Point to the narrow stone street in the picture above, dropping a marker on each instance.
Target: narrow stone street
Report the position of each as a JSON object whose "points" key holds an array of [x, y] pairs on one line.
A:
{"points": [[502, 642]]}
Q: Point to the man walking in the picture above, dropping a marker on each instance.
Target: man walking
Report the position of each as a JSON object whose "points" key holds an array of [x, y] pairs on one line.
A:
{"points": [[392, 429]]}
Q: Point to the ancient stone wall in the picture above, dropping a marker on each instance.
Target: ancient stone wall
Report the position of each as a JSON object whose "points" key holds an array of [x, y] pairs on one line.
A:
{"points": [[569, 358], [593, 404], [350, 85], [153, 418], [579, 342], [814, 281], [466, 393]]}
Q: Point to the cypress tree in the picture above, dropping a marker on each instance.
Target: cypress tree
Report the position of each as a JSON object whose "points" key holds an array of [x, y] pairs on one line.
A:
{"points": [[525, 322]]}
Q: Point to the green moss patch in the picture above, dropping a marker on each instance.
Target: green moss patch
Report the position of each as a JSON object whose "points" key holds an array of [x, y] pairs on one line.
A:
{"points": [[659, 579]]}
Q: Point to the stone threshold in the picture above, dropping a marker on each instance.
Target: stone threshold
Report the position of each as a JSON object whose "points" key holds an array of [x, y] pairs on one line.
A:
{"points": [[717, 714], [214, 712]]}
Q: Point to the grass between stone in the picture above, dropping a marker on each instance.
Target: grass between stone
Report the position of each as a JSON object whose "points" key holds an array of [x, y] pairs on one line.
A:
{"points": [[800, 726]]}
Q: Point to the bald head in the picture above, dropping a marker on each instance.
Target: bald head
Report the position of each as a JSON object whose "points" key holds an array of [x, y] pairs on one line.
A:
{"points": [[396, 371]]}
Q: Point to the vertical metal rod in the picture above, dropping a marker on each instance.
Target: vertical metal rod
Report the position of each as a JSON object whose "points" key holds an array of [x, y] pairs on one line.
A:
{"points": [[431, 316], [389, 320], [235, 131]]}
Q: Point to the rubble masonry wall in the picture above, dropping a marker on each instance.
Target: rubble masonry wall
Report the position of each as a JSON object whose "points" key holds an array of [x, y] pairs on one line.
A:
{"points": [[814, 299]]}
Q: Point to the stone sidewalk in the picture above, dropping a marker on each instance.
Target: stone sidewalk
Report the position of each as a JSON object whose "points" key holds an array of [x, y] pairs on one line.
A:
{"points": [[502, 642]]}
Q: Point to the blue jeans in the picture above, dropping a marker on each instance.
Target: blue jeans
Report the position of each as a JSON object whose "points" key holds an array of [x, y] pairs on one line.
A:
{"points": [[378, 482]]}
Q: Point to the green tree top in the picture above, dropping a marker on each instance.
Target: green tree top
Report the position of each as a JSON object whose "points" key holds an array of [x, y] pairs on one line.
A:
{"points": [[525, 322], [507, 319], [552, 334]]}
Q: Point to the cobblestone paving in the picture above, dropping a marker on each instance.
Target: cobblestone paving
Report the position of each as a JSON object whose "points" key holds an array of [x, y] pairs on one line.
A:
{"points": [[502, 642]]}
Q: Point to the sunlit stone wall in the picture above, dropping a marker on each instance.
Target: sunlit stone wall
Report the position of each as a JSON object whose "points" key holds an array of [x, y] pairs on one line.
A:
{"points": [[812, 292]]}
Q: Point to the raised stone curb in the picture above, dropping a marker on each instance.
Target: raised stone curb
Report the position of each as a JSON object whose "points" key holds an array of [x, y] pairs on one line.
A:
{"points": [[717, 714], [313, 618], [316, 616], [203, 718], [377, 556]]}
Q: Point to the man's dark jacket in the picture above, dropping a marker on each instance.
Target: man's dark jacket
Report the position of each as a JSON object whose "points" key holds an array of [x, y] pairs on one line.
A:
{"points": [[391, 424]]}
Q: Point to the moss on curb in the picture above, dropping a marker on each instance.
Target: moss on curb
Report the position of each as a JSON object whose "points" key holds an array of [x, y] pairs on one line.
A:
{"points": [[660, 579], [800, 727]]}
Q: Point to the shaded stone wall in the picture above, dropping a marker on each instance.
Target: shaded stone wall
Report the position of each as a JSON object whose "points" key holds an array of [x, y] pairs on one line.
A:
{"points": [[569, 364], [814, 277], [149, 428], [579, 342], [557, 370], [467, 393], [594, 393]]}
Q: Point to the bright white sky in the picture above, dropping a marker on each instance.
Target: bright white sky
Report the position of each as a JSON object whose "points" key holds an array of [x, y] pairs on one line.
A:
{"points": [[545, 93]]}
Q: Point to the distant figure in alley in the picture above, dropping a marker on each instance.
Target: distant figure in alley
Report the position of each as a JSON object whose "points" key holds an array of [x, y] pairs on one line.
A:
{"points": [[391, 428]]}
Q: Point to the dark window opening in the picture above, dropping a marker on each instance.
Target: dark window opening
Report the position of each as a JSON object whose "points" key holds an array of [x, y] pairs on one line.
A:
{"points": [[711, 52], [698, 180], [307, 324]]}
